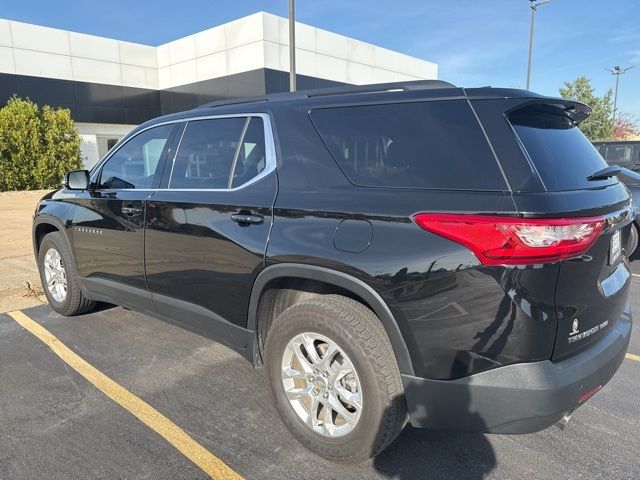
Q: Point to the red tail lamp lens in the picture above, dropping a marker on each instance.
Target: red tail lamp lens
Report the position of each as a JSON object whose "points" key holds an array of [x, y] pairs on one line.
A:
{"points": [[589, 394], [515, 241]]}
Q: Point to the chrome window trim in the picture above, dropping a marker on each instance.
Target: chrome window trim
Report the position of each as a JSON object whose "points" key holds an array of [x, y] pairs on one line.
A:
{"points": [[270, 152], [96, 168]]}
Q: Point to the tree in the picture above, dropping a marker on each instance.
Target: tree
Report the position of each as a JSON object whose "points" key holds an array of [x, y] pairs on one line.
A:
{"points": [[61, 146], [19, 144], [625, 128], [598, 126], [36, 146]]}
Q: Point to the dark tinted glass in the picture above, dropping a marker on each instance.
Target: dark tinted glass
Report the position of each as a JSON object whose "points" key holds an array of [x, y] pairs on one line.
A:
{"points": [[252, 154], [206, 152], [135, 164], [617, 154], [558, 149], [418, 145]]}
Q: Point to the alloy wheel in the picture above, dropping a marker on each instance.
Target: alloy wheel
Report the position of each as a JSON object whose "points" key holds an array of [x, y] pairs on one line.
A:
{"points": [[55, 275], [321, 384]]}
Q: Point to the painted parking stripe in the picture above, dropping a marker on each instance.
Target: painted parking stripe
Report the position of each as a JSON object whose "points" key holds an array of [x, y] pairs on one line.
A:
{"points": [[635, 275], [631, 356], [148, 415]]}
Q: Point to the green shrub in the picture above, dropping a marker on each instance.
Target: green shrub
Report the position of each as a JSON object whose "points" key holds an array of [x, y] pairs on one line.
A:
{"points": [[37, 146]]}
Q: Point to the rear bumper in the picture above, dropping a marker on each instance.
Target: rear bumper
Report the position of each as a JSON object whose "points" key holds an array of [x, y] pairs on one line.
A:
{"points": [[520, 398]]}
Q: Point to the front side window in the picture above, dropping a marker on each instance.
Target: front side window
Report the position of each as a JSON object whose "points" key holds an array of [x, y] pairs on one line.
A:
{"points": [[135, 164]]}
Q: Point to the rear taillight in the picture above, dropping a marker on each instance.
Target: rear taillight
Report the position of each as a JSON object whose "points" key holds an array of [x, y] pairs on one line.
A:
{"points": [[515, 241]]}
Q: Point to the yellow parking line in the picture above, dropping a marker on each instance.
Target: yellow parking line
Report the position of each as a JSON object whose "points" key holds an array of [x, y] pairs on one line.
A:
{"points": [[635, 275], [631, 356], [148, 415]]}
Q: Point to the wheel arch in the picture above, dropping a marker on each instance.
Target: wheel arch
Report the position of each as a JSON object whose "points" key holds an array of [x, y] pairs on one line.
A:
{"points": [[339, 280], [43, 225]]}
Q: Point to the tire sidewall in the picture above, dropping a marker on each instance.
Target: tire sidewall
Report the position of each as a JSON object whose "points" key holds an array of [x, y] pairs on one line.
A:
{"points": [[359, 443], [75, 302]]}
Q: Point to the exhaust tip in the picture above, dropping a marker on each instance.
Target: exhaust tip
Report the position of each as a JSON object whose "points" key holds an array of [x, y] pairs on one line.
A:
{"points": [[564, 421]]}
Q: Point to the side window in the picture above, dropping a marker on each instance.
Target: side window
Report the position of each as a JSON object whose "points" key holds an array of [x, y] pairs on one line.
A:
{"points": [[206, 152], [136, 163], [410, 145], [252, 155]]}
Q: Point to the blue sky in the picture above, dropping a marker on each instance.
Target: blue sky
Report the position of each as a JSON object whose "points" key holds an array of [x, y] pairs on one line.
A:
{"points": [[481, 42]]}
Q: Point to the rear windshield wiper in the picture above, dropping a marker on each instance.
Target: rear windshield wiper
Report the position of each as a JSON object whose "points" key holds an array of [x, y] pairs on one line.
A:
{"points": [[614, 170]]}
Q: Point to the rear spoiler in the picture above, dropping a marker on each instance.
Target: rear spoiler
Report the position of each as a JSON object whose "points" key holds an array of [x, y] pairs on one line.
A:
{"points": [[576, 111]]}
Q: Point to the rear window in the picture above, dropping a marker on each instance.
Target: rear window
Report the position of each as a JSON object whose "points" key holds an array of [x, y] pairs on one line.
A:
{"points": [[433, 145], [560, 152]]}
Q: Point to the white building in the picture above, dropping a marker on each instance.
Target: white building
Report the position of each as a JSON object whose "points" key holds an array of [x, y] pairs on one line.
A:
{"points": [[111, 85]]}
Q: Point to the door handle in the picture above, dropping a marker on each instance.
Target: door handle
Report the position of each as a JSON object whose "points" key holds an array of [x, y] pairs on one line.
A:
{"points": [[131, 210], [246, 219]]}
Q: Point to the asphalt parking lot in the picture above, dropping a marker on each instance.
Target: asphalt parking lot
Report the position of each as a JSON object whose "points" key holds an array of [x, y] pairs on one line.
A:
{"points": [[56, 424]]}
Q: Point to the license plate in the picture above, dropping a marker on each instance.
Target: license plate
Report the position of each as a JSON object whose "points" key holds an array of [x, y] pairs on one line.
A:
{"points": [[615, 249]]}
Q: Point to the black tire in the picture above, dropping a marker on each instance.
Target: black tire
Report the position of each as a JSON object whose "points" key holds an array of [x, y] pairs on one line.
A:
{"points": [[357, 331], [74, 303]]}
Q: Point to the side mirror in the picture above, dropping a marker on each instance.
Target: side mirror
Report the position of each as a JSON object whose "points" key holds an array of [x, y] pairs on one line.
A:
{"points": [[77, 180]]}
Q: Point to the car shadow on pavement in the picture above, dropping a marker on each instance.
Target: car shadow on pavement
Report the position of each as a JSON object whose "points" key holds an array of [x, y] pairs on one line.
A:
{"points": [[420, 453]]}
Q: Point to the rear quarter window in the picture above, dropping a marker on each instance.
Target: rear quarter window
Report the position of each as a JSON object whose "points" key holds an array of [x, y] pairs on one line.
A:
{"points": [[431, 145], [558, 150]]}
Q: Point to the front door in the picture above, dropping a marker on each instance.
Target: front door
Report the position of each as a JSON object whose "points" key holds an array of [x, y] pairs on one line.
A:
{"points": [[207, 230], [108, 233]]}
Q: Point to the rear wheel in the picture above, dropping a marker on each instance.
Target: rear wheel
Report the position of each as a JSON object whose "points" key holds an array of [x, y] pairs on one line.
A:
{"points": [[334, 378], [59, 277]]}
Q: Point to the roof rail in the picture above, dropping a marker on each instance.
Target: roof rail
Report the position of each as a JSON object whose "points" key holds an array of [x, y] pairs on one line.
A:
{"points": [[379, 87], [341, 90]]}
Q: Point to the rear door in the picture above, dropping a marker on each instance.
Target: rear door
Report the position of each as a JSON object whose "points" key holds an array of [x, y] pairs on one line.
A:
{"points": [[207, 228], [592, 290]]}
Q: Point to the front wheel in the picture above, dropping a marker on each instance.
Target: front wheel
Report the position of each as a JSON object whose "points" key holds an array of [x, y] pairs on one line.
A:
{"points": [[334, 378], [59, 277]]}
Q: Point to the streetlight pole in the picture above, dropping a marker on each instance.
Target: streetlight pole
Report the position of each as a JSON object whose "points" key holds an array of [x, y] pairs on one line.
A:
{"points": [[533, 4], [292, 45], [617, 71]]}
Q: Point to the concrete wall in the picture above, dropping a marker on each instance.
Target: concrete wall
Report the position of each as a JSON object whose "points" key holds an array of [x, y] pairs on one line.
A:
{"points": [[250, 43], [262, 40], [33, 50], [110, 85]]}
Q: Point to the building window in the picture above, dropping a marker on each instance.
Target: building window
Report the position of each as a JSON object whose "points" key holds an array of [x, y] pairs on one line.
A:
{"points": [[106, 143]]}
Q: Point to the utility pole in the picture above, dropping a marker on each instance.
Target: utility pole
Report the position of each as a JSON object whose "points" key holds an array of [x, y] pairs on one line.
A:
{"points": [[533, 4], [292, 45], [617, 71]]}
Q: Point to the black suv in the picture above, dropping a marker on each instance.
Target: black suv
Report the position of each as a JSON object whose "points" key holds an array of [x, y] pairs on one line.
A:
{"points": [[390, 251]]}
